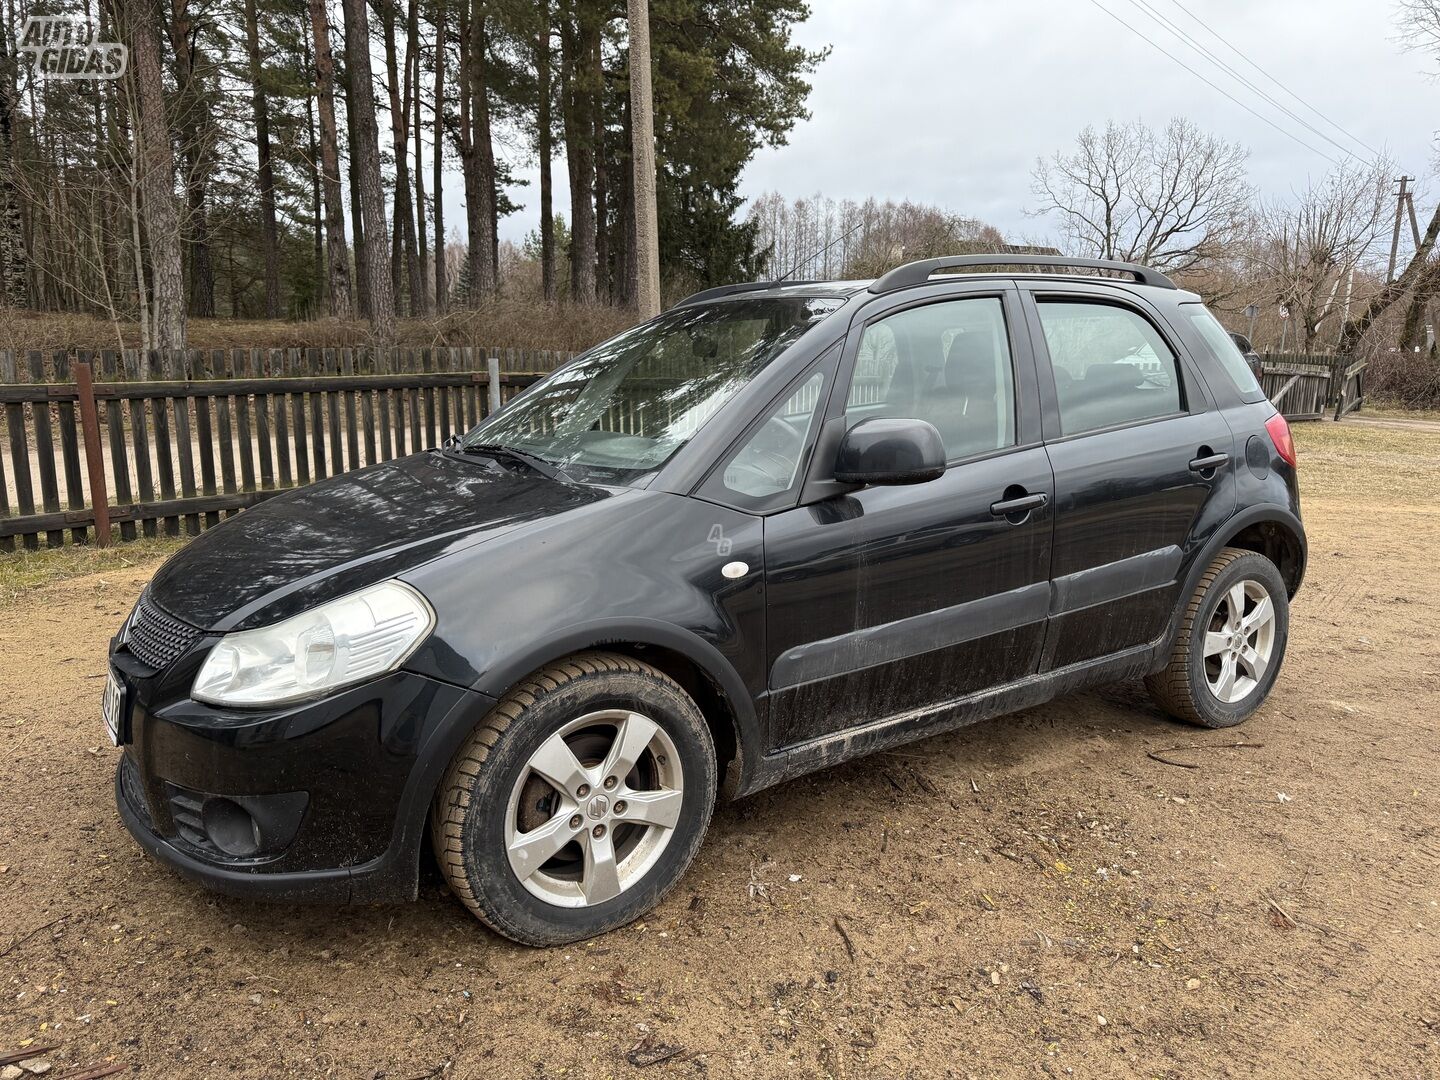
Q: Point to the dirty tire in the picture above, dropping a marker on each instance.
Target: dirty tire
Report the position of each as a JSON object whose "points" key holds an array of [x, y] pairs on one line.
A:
{"points": [[467, 818], [1181, 687]]}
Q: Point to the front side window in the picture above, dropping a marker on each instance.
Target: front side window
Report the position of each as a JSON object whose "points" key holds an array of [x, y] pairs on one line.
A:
{"points": [[948, 363], [769, 462], [1111, 366], [624, 409]]}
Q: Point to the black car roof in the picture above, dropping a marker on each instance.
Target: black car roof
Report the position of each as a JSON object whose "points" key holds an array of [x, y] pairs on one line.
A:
{"points": [[920, 272]]}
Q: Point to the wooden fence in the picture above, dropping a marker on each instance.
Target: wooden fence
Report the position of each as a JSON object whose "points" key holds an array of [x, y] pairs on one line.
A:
{"points": [[207, 435], [172, 443], [1309, 386]]}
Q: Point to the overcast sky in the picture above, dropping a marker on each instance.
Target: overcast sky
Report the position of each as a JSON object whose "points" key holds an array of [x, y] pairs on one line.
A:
{"points": [[951, 101]]}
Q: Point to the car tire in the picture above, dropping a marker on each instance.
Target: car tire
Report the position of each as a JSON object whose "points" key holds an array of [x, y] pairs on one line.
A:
{"points": [[499, 790], [1213, 640]]}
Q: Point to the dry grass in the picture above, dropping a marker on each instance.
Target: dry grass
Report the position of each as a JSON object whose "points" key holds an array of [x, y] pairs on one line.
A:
{"points": [[23, 571], [501, 323], [1342, 460]]}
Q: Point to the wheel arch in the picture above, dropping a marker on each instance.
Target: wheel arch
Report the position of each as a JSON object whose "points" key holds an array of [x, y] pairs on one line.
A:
{"points": [[1268, 529], [1275, 533], [697, 665]]}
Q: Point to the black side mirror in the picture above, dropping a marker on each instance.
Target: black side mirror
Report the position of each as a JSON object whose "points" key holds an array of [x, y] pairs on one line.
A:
{"points": [[885, 450]]}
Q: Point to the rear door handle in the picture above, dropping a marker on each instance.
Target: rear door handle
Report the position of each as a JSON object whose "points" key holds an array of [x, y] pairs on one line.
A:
{"points": [[1022, 505], [1208, 464]]}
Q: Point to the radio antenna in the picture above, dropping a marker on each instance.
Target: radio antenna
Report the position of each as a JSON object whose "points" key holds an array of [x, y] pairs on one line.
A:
{"points": [[811, 258]]}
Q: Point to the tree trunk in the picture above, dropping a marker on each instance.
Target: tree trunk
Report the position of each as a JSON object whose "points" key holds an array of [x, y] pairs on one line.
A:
{"points": [[156, 182], [195, 126], [546, 151], [576, 94], [337, 259], [317, 205], [398, 82], [479, 161], [366, 147], [642, 134], [441, 285], [14, 260], [602, 193], [269, 231], [357, 211], [420, 283]]}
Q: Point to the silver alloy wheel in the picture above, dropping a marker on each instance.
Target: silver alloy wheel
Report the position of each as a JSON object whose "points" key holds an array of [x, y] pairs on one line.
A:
{"points": [[594, 808], [1240, 641]]}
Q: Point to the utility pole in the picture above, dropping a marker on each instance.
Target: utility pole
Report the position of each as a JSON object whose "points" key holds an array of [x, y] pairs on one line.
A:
{"points": [[642, 125], [1402, 198]]}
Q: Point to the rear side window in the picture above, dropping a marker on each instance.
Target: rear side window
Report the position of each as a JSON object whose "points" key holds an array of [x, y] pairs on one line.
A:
{"points": [[1111, 366], [1222, 348]]}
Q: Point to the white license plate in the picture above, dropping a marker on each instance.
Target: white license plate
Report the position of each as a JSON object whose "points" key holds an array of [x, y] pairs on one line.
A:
{"points": [[110, 707]]}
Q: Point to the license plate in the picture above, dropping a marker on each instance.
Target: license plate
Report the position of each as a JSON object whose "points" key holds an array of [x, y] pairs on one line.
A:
{"points": [[112, 707]]}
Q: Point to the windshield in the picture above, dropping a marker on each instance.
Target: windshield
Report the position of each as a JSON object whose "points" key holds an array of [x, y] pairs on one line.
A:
{"points": [[624, 408]]}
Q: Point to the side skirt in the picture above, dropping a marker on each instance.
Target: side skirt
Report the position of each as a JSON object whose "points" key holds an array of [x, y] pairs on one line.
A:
{"points": [[828, 750]]}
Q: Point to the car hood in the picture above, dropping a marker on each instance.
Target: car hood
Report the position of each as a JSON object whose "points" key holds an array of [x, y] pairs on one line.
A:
{"points": [[307, 546]]}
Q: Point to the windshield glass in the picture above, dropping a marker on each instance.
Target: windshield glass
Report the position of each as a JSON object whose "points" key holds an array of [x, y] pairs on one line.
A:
{"points": [[622, 410]]}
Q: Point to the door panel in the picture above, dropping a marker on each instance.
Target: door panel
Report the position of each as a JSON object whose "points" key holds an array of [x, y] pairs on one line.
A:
{"points": [[1131, 507], [1128, 509], [886, 599], [894, 598]]}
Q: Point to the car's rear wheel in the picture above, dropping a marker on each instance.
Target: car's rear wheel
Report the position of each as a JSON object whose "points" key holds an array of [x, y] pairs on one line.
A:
{"points": [[1230, 645], [577, 804]]}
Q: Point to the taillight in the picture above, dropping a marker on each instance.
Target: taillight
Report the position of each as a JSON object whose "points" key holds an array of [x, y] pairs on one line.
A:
{"points": [[1279, 431]]}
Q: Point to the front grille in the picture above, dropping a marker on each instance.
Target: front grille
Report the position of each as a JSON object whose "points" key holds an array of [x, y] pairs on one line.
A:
{"points": [[155, 637]]}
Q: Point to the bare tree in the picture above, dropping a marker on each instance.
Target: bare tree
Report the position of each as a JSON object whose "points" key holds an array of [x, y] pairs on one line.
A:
{"points": [[1419, 282], [1308, 248], [1169, 199]]}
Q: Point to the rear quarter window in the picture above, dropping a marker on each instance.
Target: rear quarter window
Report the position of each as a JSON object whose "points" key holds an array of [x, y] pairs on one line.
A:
{"points": [[1222, 348]]}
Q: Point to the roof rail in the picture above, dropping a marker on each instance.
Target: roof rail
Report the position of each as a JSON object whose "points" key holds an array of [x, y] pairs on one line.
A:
{"points": [[917, 273], [730, 290]]}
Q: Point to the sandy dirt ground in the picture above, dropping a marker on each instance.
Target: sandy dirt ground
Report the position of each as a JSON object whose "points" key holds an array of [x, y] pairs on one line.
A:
{"points": [[1035, 895]]}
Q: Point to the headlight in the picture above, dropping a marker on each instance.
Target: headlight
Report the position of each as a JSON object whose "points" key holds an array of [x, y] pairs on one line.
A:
{"points": [[345, 641]]}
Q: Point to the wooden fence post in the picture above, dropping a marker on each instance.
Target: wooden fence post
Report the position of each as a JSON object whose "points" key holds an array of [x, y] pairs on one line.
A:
{"points": [[492, 364], [94, 463]]}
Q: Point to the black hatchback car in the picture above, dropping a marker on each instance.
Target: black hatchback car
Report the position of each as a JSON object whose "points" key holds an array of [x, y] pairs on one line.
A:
{"points": [[778, 526]]}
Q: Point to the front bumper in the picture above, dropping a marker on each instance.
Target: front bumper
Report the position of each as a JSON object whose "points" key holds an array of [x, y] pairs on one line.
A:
{"points": [[339, 788]]}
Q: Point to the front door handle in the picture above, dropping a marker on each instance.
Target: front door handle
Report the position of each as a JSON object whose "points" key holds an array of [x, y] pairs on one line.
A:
{"points": [[1014, 508], [1208, 463]]}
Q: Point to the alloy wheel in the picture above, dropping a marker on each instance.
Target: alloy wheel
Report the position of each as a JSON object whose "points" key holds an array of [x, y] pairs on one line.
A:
{"points": [[594, 808], [1240, 641]]}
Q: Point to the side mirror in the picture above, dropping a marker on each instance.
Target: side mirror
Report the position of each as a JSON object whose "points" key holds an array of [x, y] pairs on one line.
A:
{"points": [[890, 451]]}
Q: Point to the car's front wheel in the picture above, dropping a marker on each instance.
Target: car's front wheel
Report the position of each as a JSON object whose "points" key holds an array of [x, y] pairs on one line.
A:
{"points": [[577, 804], [1230, 645]]}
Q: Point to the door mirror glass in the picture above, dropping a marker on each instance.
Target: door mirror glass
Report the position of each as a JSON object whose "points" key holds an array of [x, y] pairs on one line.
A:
{"points": [[890, 450]]}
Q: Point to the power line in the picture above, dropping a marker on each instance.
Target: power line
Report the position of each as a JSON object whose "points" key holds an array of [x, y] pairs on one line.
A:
{"points": [[1218, 89], [1240, 53], [1187, 39]]}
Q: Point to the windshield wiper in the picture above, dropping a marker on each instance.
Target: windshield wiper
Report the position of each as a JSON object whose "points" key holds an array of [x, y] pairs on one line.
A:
{"points": [[496, 450]]}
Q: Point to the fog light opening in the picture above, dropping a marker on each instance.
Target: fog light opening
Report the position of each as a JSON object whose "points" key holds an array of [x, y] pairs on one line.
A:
{"points": [[229, 826]]}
